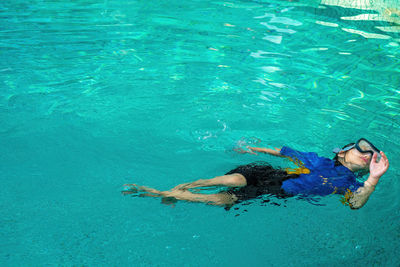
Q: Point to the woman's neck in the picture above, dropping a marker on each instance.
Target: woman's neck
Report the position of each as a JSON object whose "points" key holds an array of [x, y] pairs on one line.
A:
{"points": [[344, 163]]}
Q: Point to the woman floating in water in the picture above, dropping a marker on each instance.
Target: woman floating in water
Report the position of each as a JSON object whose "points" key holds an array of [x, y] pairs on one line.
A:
{"points": [[314, 176]]}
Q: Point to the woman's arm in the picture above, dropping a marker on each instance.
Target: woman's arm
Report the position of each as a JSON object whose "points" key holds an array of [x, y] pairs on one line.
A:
{"points": [[358, 198], [376, 170], [273, 152]]}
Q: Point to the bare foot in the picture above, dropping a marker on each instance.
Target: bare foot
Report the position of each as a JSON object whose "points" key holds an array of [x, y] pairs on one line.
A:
{"points": [[129, 189]]}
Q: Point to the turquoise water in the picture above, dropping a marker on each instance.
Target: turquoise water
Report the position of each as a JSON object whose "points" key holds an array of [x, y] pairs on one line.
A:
{"points": [[95, 94]]}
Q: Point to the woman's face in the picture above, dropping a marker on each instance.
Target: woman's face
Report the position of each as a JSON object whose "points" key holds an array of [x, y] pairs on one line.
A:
{"points": [[356, 160]]}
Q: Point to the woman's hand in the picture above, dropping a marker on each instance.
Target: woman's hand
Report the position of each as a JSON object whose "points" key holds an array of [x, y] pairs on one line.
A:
{"points": [[243, 151], [377, 169], [274, 152], [253, 150]]}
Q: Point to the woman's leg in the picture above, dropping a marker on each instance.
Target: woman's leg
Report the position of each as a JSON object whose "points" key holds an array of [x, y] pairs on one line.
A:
{"points": [[229, 180], [221, 199], [180, 192]]}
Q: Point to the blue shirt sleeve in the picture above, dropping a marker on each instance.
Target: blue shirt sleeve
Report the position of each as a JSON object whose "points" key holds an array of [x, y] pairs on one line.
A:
{"points": [[309, 159]]}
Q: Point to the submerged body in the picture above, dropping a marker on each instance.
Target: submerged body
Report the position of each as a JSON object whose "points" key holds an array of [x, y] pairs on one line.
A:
{"points": [[314, 176]]}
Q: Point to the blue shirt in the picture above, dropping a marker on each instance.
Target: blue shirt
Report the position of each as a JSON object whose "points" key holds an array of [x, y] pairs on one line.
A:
{"points": [[324, 178]]}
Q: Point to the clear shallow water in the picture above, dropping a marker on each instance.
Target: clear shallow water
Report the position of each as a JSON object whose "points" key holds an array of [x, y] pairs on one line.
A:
{"points": [[95, 94]]}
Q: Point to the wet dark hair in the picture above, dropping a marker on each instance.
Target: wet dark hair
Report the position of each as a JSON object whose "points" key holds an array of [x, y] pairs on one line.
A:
{"points": [[336, 158]]}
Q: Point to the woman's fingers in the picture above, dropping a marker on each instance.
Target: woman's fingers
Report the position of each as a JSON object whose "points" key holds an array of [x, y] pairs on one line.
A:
{"points": [[384, 157], [385, 160], [379, 168]]}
